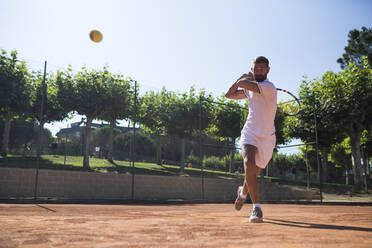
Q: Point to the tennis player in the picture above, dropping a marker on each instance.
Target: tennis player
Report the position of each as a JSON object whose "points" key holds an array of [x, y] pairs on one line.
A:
{"points": [[258, 134]]}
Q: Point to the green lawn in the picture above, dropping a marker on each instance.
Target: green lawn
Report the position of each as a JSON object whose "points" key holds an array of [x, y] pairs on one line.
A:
{"points": [[56, 162]]}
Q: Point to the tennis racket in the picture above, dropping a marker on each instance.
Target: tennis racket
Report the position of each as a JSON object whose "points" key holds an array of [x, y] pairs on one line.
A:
{"points": [[287, 102]]}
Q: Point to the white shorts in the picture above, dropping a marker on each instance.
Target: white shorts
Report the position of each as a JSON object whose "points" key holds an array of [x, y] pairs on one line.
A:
{"points": [[265, 146]]}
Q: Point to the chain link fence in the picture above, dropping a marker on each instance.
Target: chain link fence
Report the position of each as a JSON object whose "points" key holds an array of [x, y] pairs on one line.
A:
{"points": [[201, 152]]}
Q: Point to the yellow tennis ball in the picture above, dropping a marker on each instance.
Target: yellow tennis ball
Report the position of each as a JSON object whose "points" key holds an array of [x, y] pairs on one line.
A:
{"points": [[95, 35]]}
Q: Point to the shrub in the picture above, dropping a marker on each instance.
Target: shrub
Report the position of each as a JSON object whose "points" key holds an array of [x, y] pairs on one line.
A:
{"points": [[213, 162], [194, 160], [237, 162]]}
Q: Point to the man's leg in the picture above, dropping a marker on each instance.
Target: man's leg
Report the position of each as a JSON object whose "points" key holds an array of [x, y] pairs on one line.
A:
{"points": [[250, 184], [251, 172]]}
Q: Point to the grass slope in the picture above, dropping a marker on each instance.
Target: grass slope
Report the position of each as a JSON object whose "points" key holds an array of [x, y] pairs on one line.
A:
{"points": [[57, 162]]}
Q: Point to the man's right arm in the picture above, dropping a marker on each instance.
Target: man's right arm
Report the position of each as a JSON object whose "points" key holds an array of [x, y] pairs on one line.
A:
{"points": [[246, 81], [234, 93]]}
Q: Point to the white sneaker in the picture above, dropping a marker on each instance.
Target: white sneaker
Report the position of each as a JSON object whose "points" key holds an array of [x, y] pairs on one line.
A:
{"points": [[239, 202], [256, 216]]}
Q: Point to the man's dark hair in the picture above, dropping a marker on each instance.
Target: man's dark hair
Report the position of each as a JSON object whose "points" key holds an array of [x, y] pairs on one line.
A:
{"points": [[261, 59]]}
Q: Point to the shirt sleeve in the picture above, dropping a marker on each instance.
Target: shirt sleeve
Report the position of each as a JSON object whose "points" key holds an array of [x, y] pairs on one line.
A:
{"points": [[267, 89]]}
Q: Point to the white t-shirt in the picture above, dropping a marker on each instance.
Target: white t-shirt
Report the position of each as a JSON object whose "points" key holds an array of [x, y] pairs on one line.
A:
{"points": [[262, 110]]}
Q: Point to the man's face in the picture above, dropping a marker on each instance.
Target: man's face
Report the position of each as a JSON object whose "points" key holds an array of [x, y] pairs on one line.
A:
{"points": [[260, 71]]}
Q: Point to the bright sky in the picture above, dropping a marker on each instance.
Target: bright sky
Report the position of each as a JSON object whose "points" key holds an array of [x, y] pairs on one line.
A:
{"points": [[184, 43]]}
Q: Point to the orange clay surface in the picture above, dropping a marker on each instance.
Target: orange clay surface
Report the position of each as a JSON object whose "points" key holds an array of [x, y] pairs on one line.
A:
{"points": [[189, 225]]}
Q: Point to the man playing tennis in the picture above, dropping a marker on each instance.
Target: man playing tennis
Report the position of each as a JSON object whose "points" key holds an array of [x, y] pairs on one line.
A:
{"points": [[258, 134]]}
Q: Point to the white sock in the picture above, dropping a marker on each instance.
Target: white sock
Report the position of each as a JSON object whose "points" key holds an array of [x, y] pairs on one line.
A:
{"points": [[256, 205]]}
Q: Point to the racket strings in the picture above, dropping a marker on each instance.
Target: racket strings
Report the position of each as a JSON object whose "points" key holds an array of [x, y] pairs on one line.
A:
{"points": [[288, 103]]}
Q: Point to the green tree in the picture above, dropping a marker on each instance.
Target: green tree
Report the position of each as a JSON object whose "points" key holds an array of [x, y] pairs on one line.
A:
{"points": [[144, 143], [359, 45], [153, 112], [14, 92], [53, 110], [347, 102], [228, 120], [366, 142], [65, 84], [287, 165], [183, 117], [341, 155], [102, 137], [118, 102], [308, 154], [303, 125], [22, 133], [280, 120], [86, 95]]}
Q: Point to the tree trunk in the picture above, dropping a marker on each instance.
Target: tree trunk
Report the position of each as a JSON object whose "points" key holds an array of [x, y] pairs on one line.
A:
{"points": [[87, 143], [40, 140], [365, 170], [232, 156], [111, 141], [324, 164], [357, 166], [158, 149], [6, 134], [182, 162]]}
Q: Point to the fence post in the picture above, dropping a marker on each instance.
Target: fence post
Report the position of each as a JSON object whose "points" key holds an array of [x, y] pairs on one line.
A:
{"points": [[43, 92], [307, 170], [200, 146], [133, 156], [362, 148], [65, 151], [317, 152]]}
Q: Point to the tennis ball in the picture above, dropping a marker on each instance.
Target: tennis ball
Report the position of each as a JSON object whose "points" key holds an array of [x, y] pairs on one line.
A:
{"points": [[95, 35]]}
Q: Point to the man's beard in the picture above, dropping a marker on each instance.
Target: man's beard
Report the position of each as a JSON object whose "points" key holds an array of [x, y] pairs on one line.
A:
{"points": [[260, 78]]}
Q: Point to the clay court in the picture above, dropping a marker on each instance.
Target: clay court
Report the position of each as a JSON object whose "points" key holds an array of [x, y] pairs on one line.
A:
{"points": [[183, 225]]}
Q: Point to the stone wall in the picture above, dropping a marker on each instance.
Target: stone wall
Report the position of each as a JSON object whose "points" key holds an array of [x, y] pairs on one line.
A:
{"points": [[20, 183]]}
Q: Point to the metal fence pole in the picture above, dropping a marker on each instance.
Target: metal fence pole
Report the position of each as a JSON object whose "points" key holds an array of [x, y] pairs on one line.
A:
{"points": [[43, 92], [307, 170], [317, 153], [65, 151], [134, 137], [200, 146]]}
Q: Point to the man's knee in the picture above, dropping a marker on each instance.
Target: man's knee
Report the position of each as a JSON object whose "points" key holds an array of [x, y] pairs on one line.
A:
{"points": [[250, 168]]}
